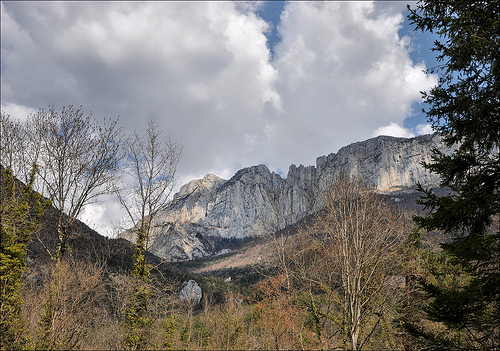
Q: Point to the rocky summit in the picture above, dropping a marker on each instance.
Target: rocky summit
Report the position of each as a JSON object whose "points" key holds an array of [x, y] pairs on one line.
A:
{"points": [[207, 214]]}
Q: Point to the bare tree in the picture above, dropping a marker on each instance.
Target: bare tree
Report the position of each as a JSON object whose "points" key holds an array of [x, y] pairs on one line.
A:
{"points": [[148, 179], [78, 159], [75, 159], [276, 225], [78, 308], [278, 218], [347, 259], [12, 145], [150, 168]]}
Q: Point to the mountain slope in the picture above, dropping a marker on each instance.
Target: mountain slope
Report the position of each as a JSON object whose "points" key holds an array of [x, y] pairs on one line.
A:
{"points": [[208, 214], [87, 247]]}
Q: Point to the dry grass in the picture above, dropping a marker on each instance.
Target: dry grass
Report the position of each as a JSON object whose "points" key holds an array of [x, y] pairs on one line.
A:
{"points": [[259, 252]]}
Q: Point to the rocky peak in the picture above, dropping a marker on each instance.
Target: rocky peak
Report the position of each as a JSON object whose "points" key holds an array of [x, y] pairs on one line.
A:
{"points": [[210, 209], [208, 183], [253, 175]]}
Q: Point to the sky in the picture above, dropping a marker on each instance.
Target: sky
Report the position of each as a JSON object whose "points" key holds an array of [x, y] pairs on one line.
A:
{"points": [[237, 83]]}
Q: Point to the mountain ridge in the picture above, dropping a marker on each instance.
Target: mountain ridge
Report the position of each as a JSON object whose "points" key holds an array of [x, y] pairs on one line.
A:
{"points": [[209, 212]]}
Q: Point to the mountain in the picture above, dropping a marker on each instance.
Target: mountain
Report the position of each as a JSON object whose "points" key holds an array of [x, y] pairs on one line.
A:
{"points": [[209, 216]]}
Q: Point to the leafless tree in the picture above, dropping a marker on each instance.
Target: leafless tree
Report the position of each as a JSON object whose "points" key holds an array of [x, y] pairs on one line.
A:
{"points": [[277, 219], [149, 176], [78, 158], [12, 144], [350, 257], [78, 305], [275, 223]]}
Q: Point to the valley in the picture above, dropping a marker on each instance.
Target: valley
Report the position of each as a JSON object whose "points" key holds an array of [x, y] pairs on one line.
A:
{"points": [[241, 242]]}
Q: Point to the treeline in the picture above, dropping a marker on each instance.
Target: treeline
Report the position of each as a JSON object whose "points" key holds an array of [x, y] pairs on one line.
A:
{"points": [[347, 278]]}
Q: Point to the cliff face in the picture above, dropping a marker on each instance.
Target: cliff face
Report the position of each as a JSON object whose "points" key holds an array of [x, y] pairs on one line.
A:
{"points": [[208, 212], [387, 163]]}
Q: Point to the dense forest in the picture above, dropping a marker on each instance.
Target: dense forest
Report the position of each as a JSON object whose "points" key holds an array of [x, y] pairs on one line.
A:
{"points": [[359, 274]]}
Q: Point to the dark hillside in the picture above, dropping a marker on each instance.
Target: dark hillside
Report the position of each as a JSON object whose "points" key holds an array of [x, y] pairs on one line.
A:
{"points": [[87, 246]]}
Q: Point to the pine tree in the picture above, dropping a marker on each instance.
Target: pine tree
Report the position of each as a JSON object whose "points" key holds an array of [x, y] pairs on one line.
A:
{"points": [[465, 110]]}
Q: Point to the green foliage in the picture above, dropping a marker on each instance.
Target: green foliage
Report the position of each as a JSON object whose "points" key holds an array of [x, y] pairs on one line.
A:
{"points": [[464, 110], [47, 340], [314, 315], [185, 332], [169, 329], [141, 268], [21, 209], [137, 320], [433, 282]]}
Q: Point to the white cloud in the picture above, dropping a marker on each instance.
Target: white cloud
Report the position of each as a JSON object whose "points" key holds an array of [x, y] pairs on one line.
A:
{"points": [[344, 72], [17, 111], [395, 130], [423, 129], [204, 72], [201, 69], [105, 217]]}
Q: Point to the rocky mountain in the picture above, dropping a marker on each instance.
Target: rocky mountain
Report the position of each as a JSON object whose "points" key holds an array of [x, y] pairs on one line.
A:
{"points": [[207, 215]]}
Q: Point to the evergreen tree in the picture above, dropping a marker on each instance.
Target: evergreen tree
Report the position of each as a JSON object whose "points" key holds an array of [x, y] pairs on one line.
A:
{"points": [[20, 212], [137, 320], [464, 109]]}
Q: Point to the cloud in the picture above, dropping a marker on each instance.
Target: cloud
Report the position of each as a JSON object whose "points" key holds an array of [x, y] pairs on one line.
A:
{"points": [[423, 129], [394, 130], [344, 73], [201, 69], [204, 71], [21, 112], [105, 217]]}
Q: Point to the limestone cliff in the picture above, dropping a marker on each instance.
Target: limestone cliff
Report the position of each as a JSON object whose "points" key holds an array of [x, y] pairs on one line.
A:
{"points": [[387, 163], [208, 211]]}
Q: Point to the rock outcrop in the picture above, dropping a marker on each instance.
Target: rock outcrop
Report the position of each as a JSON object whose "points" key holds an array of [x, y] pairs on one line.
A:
{"points": [[255, 200], [191, 292]]}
